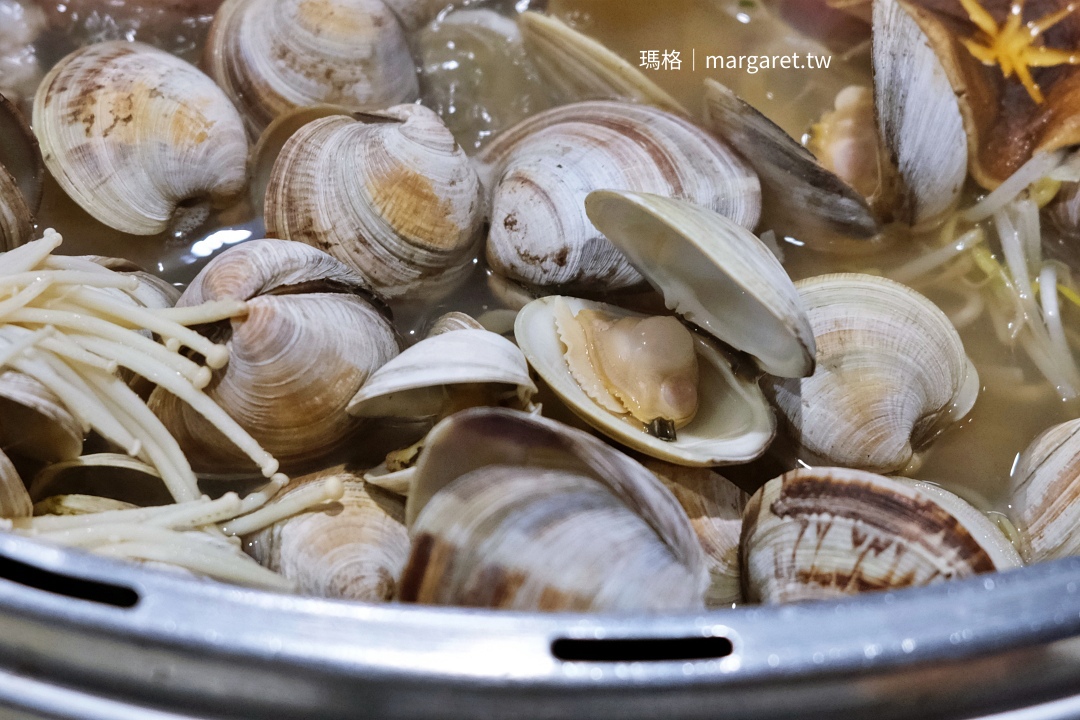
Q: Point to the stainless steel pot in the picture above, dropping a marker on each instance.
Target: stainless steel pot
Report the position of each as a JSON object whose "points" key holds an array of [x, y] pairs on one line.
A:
{"points": [[86, 637]]}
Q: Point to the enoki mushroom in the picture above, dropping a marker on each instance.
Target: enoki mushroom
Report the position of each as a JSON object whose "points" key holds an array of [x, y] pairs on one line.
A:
{"points": [[71, 324]]}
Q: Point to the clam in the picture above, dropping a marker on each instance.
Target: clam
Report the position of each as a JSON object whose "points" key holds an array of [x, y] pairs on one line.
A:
{"points": [[271, 57], [14, 499], [1042, 494], [131, 133], [393, 196], [21, 176], [458, 365], [801, 197], [106, 475], [538, 516], [712, 272], [715, 506], [825, 532], [919, 114], [355, 549], [728, 420], [891, 374], [78, 505], [312, 336], [576, 67], [541, 170]]}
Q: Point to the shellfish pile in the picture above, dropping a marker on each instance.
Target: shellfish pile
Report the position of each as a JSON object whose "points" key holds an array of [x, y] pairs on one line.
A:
{"points": [[520, 312]]}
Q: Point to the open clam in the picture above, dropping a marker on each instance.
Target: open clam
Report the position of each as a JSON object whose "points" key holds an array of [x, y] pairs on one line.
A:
{"points": [[891, 374], [131, 133], [538, 516], [825, 532], [541, 170]]}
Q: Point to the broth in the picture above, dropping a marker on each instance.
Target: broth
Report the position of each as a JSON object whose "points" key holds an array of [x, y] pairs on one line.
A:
{"points": [[976, 456]]}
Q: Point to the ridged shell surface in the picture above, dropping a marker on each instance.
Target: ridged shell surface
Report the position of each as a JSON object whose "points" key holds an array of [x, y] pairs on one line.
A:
{"points": [[538, 516], [891, 372], [540, 171], [305, 347], [1043, 494], [354, 551], [130, 132], [392, 196], [820, 533], [271, 56]]}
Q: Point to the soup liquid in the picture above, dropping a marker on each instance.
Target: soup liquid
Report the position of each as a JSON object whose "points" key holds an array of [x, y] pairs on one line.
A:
{"points": [[974, 457]]}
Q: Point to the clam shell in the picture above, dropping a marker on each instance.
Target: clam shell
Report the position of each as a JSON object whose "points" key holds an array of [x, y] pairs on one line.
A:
{"points": [[919, 116], [891, 373], [712, 272], [309, 341], [14, 499], [106, 475], [541, 170], [575, 67], [412, 384], [392, 196], [272, 57], [355, 549], [1042, 494], [715, 506], [733, 424], [820, 533], [33, 421], [131, 132], [78, 505], [800, 197], [539, 516], [21, 175]]}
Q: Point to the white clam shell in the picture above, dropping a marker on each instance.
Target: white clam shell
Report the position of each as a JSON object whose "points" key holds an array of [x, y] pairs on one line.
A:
{"points": [[131, 132], [538, 516], [733, 424], [354, 550], [393, 196], [411, 384], [826, 532], [271, 56], [14, 499], [919, 116], [541, 170], [311, 337], [712, 272], [1042, 494], [891, 372]]}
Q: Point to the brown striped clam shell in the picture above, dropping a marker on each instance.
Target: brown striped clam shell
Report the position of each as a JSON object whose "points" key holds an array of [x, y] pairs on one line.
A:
{"points": [[539, 516], [1042, 494], [819, 533]]}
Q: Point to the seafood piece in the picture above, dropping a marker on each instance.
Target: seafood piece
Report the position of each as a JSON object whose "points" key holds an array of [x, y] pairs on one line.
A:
{"points": [[575, 67], [824, 532], [271, 57], [800, 196], [891, 374], [733, 423], [712, 272], [22, 173], [538, 516], [919, 115], [14, 499], [542, 169], [845, 141], [475, 74], [392, 196], [355, 550], [131, 133], [1042, 494], [78, 505], [105, 475], [312, 335], [715, 507], [34, 423]]}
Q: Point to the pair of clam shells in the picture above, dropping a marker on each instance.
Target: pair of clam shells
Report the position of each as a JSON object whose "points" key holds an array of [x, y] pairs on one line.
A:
{"points": [[312, 335]]}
